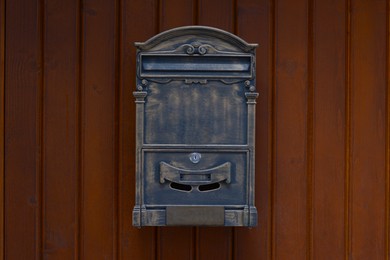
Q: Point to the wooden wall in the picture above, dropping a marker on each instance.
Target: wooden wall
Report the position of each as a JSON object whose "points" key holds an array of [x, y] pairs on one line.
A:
{"points": [[67, 132]]}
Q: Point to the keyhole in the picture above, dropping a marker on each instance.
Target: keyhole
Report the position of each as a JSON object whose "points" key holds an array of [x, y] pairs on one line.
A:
{"points": [[195, 157]]}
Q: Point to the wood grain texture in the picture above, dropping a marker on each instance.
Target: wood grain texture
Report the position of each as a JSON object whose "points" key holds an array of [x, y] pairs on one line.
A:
{"points": [[387, 220], [61, 130], [2, 92], [99, 131], [368, 178], [291, 134], [138, 23], [23, 79], [175, 13], [347, 143], [220, 14], [329, 129], [255, 243], [176, 243], [215, 243], [67, 130]]}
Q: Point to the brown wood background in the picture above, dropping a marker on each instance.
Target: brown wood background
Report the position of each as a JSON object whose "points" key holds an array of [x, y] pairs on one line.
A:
{"points": [[67, 132]]}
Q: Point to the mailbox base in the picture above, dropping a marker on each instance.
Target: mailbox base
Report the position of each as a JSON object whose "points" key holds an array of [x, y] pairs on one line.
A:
{"points": [[195, 216]]}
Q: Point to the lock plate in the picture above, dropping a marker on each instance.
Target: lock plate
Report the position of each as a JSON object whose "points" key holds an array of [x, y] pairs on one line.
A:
{"points": [[195, 157]]}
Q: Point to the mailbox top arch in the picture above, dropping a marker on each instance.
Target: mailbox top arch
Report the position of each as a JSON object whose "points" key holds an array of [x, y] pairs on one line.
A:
{"points": [[177, 35]]}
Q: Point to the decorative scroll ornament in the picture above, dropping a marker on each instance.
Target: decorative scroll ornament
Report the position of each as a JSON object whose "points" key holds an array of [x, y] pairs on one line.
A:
{"points": [[196, 48]]}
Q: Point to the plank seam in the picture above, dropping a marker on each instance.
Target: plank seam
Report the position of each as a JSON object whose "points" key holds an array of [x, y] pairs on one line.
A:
{"points": [[273, 178], [235, 15], [158, 11], [233, 243], [118, 39], [347, 192], [80, 145], [196, 244], [40, 240], [157, 239], [270, 147], [310, 132], [2, 96], [120, 129], [387, 192], [77, 131], [195, 12]]}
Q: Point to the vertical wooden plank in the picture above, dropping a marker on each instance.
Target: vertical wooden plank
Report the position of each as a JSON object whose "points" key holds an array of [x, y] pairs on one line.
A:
{"points": [[23, 130], [2, 155], [175, 13], [216, 13], [134, 243], [368, 111], [99, 132], [215, 243], [291, 90], [175, 243], [61, 129], [329, 129], [310, 188], [347, 174], [387, 238], [255, 243]]}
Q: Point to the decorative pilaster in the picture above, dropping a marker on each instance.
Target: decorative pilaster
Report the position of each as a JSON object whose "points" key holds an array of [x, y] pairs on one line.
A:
{"points": [[140, 101], [251, 101]]}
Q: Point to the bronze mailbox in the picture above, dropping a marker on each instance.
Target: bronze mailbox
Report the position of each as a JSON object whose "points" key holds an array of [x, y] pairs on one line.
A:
{"points": [[195, 129]]}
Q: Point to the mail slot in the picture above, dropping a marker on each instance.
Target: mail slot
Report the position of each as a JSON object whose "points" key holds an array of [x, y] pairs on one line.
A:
{"points": [[195, 129]]}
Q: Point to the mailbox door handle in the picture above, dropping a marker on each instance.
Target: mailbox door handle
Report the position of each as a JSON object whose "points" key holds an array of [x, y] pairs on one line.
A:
{"points": [[195, 177]]}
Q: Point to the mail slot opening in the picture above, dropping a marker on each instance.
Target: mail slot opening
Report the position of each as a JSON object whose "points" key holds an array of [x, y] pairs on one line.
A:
{"points": [[180, 187], [193, 66], [210, 187]]}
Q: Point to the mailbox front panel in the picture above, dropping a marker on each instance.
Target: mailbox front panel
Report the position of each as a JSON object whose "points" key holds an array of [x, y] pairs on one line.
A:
{"points": [[178, 113], [215, 180], [195, 129]]}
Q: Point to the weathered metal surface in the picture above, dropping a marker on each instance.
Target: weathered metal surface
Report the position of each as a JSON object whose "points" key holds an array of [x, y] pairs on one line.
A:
{"points": [[195, 215], [195, 100]]}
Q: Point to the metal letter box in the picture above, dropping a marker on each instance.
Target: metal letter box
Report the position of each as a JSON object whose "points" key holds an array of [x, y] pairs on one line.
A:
{"points": [[195, 129]]}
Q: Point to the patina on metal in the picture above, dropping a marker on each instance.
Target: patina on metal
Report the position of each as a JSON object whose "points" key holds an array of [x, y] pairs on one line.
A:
{"points": [[195, 129]]}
